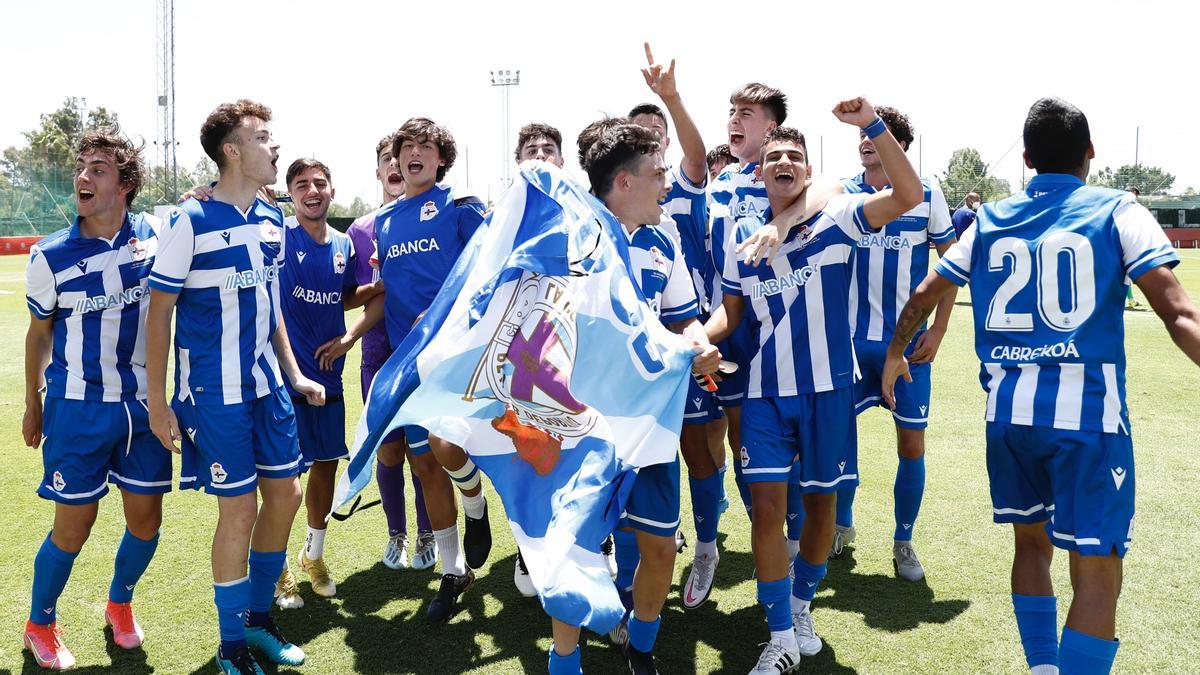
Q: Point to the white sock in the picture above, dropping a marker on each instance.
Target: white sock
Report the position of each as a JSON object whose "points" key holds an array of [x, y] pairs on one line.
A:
{"points": [[706, 548], [1043, 669], [787, 637], [473, 506], [793, 549], [314, 544], [450, 551], [799, 605]]}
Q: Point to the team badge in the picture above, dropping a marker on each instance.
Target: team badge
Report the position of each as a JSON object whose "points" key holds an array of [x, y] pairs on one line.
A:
{"points": [[269, 232], [218, 473], [339, 262], [58, 482], [137, 250], [657, 257], [428, 210]]}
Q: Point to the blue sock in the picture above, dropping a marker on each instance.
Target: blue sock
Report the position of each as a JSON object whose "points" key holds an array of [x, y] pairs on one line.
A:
{"points": [[907, 492], [706, 506], [51, 569], [744, 492], [808, 578], [265, 569], [1037, 623], [232, 599], [845, 503], [625, 549], [723, 502], [795, 512], [643, 633], [1081, 653], [133, 557], [773, 596], [564, 665]]}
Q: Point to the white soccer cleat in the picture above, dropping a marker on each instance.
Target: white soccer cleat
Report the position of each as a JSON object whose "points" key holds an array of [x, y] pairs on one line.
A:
{"points": [[700, 581], [521, 578], [776, 659], [806, 635], [426, 554], [842, 537], [287, 593], [395, 554], [905, 560]]}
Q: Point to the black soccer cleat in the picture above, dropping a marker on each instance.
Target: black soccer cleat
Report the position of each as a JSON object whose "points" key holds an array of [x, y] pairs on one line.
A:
{"points": [[477, 540], [445, 603], [640, 663]]}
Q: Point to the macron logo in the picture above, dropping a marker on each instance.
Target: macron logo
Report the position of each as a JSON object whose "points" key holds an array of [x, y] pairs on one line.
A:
{"points": [[841, 466], [697, 401], [1118, 475], [300, 255], [225, 236], [923, 409], [82, 264]]}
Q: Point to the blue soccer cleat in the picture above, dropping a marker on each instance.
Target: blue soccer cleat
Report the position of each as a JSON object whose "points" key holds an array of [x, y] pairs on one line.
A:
{"points": [[268, 640], [240, 662]]}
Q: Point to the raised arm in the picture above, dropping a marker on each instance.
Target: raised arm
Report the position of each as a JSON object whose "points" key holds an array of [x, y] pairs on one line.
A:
{"points": [[662, 82], [906, 192]]}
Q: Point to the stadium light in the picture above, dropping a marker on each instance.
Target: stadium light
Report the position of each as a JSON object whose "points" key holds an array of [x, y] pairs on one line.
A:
{"points": [[505, 79]]}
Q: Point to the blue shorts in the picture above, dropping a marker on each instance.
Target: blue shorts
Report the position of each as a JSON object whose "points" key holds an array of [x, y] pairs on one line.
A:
{"points": [[738, 348], [1081, 483], [701, 406], [226, 448], [912, 398], [321, 430], [653, 504], [417, 439], [815, 431], [89, 444]]}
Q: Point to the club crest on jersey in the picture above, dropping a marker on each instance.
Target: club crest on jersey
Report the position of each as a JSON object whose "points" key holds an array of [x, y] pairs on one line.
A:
{"points": [[270, 233], [58, 482], [527, 365], [137, 250], [339, 262], [217, 472], [429, 210], [657, 257]]}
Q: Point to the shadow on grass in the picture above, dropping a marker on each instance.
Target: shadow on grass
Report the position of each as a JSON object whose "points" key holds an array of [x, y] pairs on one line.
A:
{"points": [[131, 661], [885, 601]]}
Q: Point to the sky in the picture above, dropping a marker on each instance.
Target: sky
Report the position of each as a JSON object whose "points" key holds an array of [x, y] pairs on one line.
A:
{"points": [[341, 75]]}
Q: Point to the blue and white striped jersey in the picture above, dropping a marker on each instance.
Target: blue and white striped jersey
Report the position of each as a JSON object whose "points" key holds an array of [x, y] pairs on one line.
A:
{"points": [[686, 206], [796, 306], [891, 262], [1048, 270], [224, 264], [95, 292], [312, 285], [661, 273], [736, 193]]}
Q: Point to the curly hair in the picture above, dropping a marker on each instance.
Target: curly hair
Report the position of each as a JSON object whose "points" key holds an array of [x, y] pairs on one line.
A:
{"points": [[222, 122], [537, 130], [783, 134], [422, 129], [592, 133], [131, 170], [619, 148], [897, 123]]}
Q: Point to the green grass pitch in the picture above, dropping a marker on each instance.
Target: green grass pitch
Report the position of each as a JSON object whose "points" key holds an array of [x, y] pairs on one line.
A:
{"points": [[960, 621]]}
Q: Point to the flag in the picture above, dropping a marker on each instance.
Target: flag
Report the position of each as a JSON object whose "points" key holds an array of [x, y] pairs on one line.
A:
{"points": [[541, 358]]}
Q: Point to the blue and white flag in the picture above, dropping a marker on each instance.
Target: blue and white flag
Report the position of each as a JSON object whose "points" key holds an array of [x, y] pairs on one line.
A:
{"points": [[541, 358]]}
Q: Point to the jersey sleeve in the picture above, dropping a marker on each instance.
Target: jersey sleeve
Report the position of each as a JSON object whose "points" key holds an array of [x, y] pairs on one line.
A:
{"points": [[1144, 245], [41, 293], [678, 298], [680, 179], [731, 277], [847, 211], [173, 261], [941, 229], [350, 276], [470, 216], [956, 264]]}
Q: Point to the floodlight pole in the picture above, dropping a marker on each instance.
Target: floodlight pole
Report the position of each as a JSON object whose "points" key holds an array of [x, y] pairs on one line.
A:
{"points": [[506, 80]]}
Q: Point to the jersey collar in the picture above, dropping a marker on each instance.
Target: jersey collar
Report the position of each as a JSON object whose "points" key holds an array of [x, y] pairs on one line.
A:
{"points": [[1050, 181], [118, 239]]}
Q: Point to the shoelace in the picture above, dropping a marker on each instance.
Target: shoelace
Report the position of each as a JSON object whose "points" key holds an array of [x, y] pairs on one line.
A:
{"points": [[243, 662], [704, 567], [907, 554], [804, 624], [51, 634], [318, 570], [273, 630], [771, 654], [287, 584]]}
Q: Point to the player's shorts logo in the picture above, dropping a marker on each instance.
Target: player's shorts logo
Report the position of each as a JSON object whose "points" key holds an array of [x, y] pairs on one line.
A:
{"points": [[218, 473], [745, 457], [339, 263], [58, 482], [429, 210], [698, 402]]}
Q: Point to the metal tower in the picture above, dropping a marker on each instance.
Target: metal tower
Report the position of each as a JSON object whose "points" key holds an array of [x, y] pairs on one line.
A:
{"points": [[165, 52]]}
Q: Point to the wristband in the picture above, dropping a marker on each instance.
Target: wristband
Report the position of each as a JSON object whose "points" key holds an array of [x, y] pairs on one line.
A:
{"points": [[876, 128]]}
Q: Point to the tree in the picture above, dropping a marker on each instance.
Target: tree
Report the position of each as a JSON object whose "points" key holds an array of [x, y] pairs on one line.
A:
{"points": [[966, 172], [1150, 180]]}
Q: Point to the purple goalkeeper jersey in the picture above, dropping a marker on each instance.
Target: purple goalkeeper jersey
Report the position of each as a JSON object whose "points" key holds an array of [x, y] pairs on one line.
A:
{"points": [[376, 347]]}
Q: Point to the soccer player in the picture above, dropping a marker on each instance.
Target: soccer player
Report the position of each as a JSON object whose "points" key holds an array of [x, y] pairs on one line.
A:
{"points": [[800, 406], [702, 440], [717, 159], [964, 216], [1048, 270], [218, 265], [540, 142], [376, 348], [625, 167], [86, 291], [420, 236], [887, 267], [316, 287]]}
